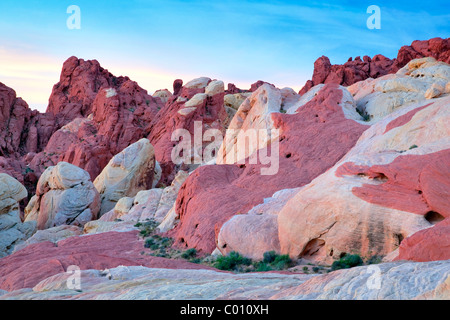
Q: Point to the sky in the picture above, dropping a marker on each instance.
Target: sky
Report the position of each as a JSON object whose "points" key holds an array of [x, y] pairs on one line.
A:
{"points": [[237, 41]]}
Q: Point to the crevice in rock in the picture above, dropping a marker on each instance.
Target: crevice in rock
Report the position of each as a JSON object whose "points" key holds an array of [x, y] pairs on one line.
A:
{"points": [[434, 217]]}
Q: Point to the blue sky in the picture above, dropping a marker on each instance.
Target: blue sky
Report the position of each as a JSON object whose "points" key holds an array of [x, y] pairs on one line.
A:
{"points": [[155, 42]]}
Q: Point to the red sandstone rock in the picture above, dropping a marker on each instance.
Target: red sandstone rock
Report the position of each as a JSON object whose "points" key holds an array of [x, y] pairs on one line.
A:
{"points": [[211, 112], [349, 73], [412, 183], [427, 245], [257, 84], [121, 115], [437, 48], [36, 262], [400, 121], [312, 141], [357, 70], [79, 83]]}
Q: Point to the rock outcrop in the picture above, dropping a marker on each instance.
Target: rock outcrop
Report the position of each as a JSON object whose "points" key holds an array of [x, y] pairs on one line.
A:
{"points": [[421, 79], [36, 262], [12, 230], [120, 115], [92, 115], [380, 193], [357, 70], [310, 142], [199, 100], [127, 173], [64, 196], [387, 281], [392, 281], [430, 244], [153, 204]]}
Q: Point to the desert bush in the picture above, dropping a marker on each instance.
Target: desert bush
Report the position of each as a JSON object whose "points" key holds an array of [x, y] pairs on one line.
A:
{"points": [[347, 261], [189, 254], [232, 261]]}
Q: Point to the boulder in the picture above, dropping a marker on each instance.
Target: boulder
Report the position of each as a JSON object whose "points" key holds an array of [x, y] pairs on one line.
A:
{"points": [[153, 204], [12, 230], [255, 232], [127, 173], [164, 95], [419, 80], [253, 114], [64, 196]]}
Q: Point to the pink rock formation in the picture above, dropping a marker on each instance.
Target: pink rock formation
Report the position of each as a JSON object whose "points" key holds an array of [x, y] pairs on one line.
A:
{"points": [[121, 112], [23, 132], [210, 111], [356, 70], [437, 48], [413, 183], [311, 141], [427, 245], [79, 83], [27, 267]]}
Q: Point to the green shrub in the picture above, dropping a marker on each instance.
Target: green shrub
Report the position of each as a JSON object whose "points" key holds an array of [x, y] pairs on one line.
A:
{"points": [[149, 242], [316, 269], [269, 256], [189, 254], [232, 261], [262, 267], [166, 242], [347, 261], [282, 262], [374, 259]]}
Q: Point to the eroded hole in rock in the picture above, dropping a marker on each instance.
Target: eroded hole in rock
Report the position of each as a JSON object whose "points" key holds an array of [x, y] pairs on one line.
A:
{"points": [[380, 176], [331, 252], [312, 247], [343, 254], [434, 217], [288, 155], [398, 238], [224, 246]]}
